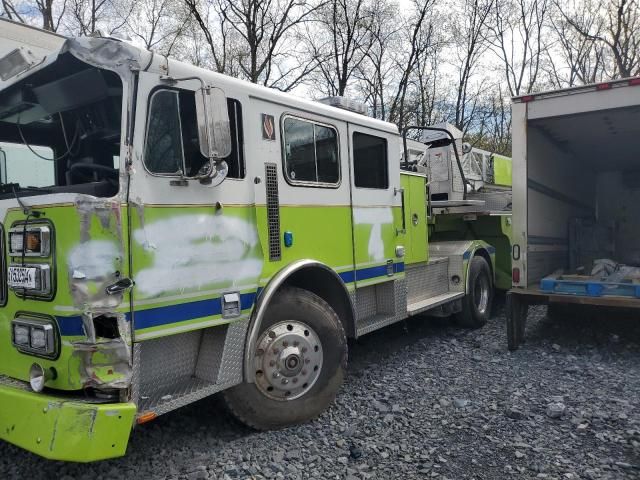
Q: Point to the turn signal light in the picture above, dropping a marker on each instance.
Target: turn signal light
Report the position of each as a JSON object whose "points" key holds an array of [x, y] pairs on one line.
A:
{"points": [[146, 417], [34, 241], [515, 275]]}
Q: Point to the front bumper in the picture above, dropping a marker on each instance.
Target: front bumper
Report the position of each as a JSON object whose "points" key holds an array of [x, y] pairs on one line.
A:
{"points": [[58, 428]]}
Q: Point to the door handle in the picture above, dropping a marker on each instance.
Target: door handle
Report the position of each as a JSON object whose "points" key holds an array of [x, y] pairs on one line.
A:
{"points": [[121, 286], [403, 230]]}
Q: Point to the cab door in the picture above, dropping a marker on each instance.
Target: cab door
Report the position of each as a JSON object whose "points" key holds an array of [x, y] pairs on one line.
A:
{"points": [[195, 252], [376, 204]]}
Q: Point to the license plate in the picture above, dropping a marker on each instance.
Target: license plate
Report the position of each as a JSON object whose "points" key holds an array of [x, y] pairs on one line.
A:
{"points": [[24, 277]]}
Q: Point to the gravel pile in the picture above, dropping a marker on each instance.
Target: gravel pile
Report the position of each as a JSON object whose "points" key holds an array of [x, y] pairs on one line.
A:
{"points": [[422, 400]]}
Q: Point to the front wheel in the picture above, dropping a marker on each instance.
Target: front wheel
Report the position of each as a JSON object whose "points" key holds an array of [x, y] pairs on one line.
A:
{"points": [[299, 358], [476, 305]]}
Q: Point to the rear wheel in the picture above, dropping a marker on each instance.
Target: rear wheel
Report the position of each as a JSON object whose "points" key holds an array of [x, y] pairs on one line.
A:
{"points": [[476, 305], [299, 359]]}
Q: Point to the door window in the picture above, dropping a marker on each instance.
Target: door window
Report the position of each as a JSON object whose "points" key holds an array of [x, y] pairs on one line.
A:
{"points": [[172, 136], [370, 165]]}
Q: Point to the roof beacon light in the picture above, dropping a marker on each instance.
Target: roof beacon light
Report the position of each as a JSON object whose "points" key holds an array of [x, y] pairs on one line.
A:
{"points": [[345, 104]]}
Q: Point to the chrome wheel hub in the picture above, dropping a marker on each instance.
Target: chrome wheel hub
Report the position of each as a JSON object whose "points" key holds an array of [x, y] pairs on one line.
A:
{"points": [[287, 360], [481, 294]]}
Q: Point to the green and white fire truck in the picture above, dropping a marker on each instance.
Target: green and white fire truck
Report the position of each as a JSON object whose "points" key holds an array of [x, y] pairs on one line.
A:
{"points": [[169, 233]]}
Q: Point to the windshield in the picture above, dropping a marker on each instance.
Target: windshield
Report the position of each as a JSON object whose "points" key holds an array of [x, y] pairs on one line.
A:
{"points": [[18, 164], [60, 131]]}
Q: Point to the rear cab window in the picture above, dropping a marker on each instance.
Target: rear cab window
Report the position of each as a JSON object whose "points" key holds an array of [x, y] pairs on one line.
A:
{"points": [[310, 153]]}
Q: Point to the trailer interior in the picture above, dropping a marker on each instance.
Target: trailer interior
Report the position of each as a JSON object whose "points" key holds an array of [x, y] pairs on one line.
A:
{"points": [[583, 192]]}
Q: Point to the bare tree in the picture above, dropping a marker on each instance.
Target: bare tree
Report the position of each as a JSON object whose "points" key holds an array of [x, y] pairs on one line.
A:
{"points": [[419, 43], [250, 34], [11, 11], [50, 21], [517, 27], [618, 28], [342, 41], [470, 43], [576, 59], [85, 15], [157, 23], [263, 24]]}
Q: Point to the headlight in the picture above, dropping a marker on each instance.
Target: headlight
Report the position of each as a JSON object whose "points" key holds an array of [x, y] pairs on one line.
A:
{"points": [[34, 241], [21, 335], [34, 336]]}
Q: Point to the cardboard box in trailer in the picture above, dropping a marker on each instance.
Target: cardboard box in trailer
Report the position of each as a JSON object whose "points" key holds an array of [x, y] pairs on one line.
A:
{"points": [[576, 187]]}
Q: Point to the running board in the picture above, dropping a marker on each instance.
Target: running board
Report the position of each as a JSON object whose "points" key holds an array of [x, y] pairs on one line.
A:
{"points": [[433, 302]]}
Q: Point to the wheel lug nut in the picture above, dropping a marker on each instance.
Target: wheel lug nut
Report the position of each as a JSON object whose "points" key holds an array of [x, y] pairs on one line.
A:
{"points": [[307, 360], [303, 372], [260, 352], [285, 344], [304, 349], [276, 351], [295, 380], [272, 363], [276, 374], [272, 334], [285, 381], [296, 343]]}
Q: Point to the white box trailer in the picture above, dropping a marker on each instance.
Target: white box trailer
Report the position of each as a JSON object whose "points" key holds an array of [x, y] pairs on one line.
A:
{"points": [[576, 191]]}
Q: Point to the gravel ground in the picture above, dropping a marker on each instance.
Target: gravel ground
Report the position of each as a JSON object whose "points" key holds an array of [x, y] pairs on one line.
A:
{"points": [[422, 400]]}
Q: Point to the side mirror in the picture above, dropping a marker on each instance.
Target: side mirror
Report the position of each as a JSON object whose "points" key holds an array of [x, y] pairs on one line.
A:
{"points": [[214, 133]]}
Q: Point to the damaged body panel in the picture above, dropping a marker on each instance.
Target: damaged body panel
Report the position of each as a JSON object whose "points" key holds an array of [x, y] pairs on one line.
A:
{"points": [[67, 118]]}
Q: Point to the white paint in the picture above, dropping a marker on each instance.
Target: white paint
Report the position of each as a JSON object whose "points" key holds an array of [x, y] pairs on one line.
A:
{"points": [[93, 260], [376, 217], [195, 252]]}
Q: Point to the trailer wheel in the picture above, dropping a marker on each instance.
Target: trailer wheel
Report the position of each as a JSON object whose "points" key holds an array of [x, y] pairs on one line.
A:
{"points": [[476, 305], [300, 359]]}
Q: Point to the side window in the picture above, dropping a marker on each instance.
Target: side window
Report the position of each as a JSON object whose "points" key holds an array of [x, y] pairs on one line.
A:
{"points": [[163, 152], [172, 135], [370, 166], [310, 152]]}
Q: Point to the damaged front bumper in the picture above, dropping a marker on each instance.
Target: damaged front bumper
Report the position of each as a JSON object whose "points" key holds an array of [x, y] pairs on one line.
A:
{"points": [[61, 428]]}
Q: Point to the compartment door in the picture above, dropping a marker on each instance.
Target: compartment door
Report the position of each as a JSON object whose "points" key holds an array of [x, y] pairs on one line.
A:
{"points": [[415, 213]]}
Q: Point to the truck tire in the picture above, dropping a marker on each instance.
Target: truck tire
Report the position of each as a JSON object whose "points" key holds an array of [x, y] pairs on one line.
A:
{"points": [[300, 359], [476, 305]]}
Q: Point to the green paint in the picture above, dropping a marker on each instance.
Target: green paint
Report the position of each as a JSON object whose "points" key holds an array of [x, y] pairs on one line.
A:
{"points": [[415, 216], [64, 430], [502, 168], [72, 227]]}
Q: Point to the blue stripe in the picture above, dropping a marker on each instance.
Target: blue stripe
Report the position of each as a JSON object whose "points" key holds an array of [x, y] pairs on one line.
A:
{"points": [[466, 255], [154, 317], [70, 326], [362, 274]]}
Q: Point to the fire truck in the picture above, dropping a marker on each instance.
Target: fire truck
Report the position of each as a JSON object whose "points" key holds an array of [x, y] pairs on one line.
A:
{"points": [[169, 233]]}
